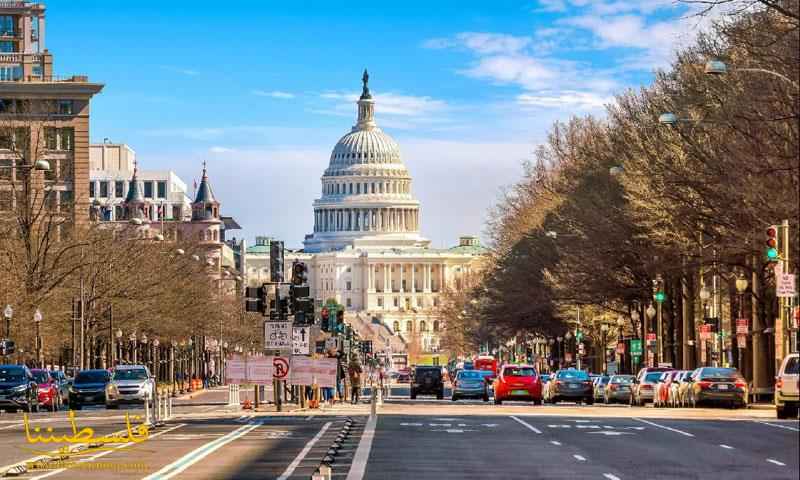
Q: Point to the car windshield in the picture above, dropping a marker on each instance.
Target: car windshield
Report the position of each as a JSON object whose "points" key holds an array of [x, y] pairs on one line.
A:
{"points": [[578, 374], [41, 377], [652, 377], [623, 380], [96, 376], [10, 375], [469, 375], [792, 366], [603, 380], [519, 372], [130, 374], [719, 373]]}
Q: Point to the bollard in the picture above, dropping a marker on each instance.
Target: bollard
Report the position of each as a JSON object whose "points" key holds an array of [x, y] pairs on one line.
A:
{"points": [[147, 412], [326, 472], [380, 395], [373, 404], [169, 407]]}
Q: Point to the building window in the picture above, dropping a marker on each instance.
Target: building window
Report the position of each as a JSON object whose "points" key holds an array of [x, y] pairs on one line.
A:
{"points": [[349, 303], [409, 326], [148, 189], [162, 189], [65, 107], [423, 327], [103, 189], [349, 286], [435, 301], [6, 25], [119, 188], [66, 138], [91, 190], [358, 188], [436, 325], [350, 188], [7, 46], [419, 301], [118, 212], [396, 326], [66, 200], [51, 138], [396, 302], [380, 301], [10, 73]]}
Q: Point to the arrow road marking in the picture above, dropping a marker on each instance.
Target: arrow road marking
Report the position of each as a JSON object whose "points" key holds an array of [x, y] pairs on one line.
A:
{"points": [[558, 444], [610, 476], [727, 447], [772, 460], [579, 458]]}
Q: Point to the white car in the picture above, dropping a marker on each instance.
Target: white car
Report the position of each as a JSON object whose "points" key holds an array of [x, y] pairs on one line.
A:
{"points": [[134, 384], [787, 387]]}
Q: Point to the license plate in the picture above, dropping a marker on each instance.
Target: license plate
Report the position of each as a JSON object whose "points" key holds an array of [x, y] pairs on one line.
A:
{"points": [[519, 392], [572, 385], [722, 387]]}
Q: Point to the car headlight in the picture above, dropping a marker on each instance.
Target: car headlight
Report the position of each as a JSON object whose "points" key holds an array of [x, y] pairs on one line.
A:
{"points": [[72, 390], [19, 388]]}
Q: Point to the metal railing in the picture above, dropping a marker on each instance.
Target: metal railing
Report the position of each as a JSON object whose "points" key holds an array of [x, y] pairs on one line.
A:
{"points": [[47, 78], [13, 4]]}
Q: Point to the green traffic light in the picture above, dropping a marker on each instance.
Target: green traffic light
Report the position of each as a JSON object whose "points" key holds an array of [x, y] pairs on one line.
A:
{"points": [[660, 297], [772, 253]]}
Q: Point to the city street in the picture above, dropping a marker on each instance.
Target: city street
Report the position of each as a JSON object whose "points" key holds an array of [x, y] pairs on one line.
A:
{"points": [[435, 439]]}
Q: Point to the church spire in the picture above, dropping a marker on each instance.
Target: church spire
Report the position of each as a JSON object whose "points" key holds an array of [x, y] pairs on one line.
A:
{"points": [[366, 106]]}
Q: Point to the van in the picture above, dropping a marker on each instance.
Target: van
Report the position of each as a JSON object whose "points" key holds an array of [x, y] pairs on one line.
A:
{"points": [[787, 387]]}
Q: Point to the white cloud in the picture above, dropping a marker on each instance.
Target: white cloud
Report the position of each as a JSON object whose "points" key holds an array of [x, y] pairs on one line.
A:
{"points": [[273, 94], [217, 149], [392, 110], [492, 43], [525, 71], [564, 99], [181, 70]]}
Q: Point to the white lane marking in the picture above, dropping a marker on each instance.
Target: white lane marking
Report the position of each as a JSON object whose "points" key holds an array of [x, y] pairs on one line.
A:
{"points": [[105, 452], [558, 444], [726, 446], [10, 426], [300, 456], [527, 425], [610, 476], [309, 417], [579, 458], [664, 427], [786, 427], [359, 465], [200, 453], [772, 460]]}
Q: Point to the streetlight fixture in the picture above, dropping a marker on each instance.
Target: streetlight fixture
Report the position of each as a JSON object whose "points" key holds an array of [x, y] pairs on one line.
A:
{"points": [[715, 67], [37, 319], [8, 312]]}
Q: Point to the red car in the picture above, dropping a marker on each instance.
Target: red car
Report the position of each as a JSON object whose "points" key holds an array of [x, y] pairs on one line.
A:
{"points": [[49, 396], [518, 382]]}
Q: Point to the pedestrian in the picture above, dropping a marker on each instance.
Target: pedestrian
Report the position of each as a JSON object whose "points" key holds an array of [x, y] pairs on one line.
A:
{"points": [[354, 373]]}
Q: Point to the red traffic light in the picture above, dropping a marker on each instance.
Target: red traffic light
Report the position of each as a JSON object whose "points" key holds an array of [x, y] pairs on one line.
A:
{"points": [[772, 231]]}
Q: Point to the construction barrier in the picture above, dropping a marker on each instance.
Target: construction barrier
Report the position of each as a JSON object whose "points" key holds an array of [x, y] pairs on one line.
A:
{"points": [[233, 395]]}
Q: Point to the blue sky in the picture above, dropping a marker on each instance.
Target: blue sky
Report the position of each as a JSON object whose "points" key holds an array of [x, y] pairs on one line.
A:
{"points": [[262, 90]]}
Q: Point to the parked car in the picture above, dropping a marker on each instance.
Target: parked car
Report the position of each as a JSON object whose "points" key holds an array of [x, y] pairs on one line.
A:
{"points": [[470, 384], [571, 384], [599, 387], [718, 385], [62, 383], [618, 389], [517, 382], [18, 389], [488, 377], [404, 375], [787, 387], [427, 380], [643, 388], [91, 387], [133, 383], [661, 394], [49, 396]]}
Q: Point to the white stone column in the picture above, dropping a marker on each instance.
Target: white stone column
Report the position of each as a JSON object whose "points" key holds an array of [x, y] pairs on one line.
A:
{"points": [[380, 219], [428, 277], [413, 278], [387, 278], [400, 283], [370, 278], [41, 34]]}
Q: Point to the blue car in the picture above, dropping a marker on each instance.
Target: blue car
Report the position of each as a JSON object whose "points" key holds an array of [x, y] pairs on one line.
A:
{"points": [[470, 384]]}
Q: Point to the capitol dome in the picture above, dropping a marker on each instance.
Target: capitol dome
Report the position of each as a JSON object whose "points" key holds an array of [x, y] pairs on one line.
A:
{"points": [[366, 191]]}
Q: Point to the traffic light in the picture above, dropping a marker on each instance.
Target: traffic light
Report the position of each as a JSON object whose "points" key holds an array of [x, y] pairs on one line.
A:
{"points": [[299, 273], [276, 261], [7, 347], [256, 300], [660, 296], [772, 253], [325, 325]]}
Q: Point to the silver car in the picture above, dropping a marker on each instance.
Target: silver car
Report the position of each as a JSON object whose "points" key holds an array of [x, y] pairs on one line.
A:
{"points": [[134, 384], [470, 384]]}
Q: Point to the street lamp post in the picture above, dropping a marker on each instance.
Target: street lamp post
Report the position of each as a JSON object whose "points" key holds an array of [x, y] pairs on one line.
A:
{"points": [[620, 328], [705, 295], [132, 347], [649, 314], [172, 377], [156, 360], [118, 344], [37, 319], [8, 312], [143, 349], [603, 330], [567, 338]]}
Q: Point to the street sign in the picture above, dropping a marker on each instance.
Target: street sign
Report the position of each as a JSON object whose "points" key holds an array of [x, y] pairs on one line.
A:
{"points": [[742, 326], [636, 348], [277, 335], [300, 340], [621, 348], [330, 343], [280, 368], [786, 286], [741, 341], [651, 338], [705, 331], [579, 335]]}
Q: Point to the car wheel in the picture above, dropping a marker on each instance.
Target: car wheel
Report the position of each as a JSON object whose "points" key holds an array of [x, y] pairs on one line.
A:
{"points": [[75, 407], [578, 401], [486, 398], [454, 398], [590, 401], [440, 395], [782, 412], [12, 410], [605, 400]]}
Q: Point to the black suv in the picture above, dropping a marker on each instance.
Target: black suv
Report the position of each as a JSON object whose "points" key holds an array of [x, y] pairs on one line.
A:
{"points": [[90, 387], [18, 389], [427, 381]]}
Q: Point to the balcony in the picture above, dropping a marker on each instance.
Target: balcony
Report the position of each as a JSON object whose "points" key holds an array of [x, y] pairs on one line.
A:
{"points": [[45, 78]]}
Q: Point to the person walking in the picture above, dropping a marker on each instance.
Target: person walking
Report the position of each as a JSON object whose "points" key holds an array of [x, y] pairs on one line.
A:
{"points": [[354, 373]]}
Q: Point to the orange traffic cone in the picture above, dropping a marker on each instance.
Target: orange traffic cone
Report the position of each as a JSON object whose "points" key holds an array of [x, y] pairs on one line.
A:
{"points": [[247, 405]]}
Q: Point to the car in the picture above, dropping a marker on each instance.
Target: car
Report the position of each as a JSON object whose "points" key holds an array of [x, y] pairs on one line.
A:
{"points": [[643, 388], [18, 389], [470, 384], [662, 388], [787, 387], [62, 383], [571, 384], [49, 396], [599, 387], [91, 387], [427, 380], [517, 382], [133, 383], [404, 375], [717, 385], [486, 362], [618, 389]]}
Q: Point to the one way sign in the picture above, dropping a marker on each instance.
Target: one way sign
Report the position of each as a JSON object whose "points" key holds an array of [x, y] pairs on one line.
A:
{"points": [[300, 340]]}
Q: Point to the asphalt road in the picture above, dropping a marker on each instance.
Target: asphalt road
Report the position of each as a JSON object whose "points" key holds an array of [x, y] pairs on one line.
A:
{"points": [[435, 439]]}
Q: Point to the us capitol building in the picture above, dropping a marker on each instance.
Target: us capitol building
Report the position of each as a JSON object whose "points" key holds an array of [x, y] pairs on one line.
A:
{"points": [[366, 251]]}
